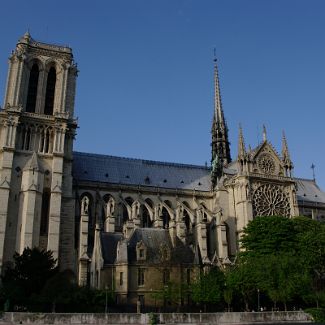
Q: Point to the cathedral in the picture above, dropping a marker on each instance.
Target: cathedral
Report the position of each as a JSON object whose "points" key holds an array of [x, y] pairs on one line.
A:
{"points": [[129, 225]]}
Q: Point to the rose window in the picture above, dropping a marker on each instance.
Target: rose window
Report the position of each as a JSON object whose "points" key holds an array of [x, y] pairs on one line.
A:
{"points": [[270, 200], [266, 164]]}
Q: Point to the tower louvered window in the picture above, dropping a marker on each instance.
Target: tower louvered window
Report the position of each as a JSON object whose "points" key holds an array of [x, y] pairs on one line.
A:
{"points": [[45, 211], [50, 92], [32, 89]]}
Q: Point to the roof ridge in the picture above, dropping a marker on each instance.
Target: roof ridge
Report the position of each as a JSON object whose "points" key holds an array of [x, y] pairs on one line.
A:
{"points": [[304, 179], [146, 161]]}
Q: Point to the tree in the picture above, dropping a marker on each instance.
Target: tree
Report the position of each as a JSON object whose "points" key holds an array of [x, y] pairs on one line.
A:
{"points": [[171, 293], [59, 288], [208, 288], [242, 279], [282, 277], [286, 257], [269, 236], [28, 275], [311, 239]]}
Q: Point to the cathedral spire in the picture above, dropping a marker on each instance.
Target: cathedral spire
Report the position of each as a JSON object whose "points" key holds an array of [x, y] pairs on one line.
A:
{"points": [[241, 144], [287, 163], [285, 151], [220, 144], [264, 133]]}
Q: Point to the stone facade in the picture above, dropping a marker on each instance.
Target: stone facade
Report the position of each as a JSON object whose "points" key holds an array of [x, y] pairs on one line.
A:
{"points": [[37, 130], [126, 224]]}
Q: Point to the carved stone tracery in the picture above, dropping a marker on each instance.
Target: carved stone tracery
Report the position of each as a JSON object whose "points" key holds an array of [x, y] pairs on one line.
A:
{"points": [[270, 200], [266, 164]]}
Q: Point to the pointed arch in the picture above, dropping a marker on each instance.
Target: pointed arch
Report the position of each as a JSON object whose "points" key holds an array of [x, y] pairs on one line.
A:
{"points": [[189, 211], [145, 217], [168, 203], [149, 202], [129, 200], [205, 212], [187, 221], [32, 88], [165, 218], [50, 91], [122, 216]]}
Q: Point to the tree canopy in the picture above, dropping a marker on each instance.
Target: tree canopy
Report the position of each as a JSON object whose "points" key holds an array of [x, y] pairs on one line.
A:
{"points": [[284, 258]]}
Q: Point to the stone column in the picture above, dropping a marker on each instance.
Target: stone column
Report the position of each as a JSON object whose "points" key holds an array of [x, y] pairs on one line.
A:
{"points": [[83, 242], [158, 222], [110, 219], [28, 226], [55, 205], [222, 240], [5, 180], [180, 225], [201, 233]]}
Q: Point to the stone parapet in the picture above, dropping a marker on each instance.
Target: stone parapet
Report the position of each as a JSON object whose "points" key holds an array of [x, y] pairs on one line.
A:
{"points": [[290, 317]]}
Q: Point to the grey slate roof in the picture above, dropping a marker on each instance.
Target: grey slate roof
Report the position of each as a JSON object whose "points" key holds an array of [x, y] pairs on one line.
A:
{"points": [[308, 191], [118, 170], [153, 238], [109, 244], [128, 171]]}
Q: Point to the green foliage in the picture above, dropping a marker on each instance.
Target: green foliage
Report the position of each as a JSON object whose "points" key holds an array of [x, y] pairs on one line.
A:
{"points": [[58, 288], [171, 292], [33, 283], [318, 314], [27, 277], [208, 288], [153, 319], [241, 279], [269, 236], [284, 257]]}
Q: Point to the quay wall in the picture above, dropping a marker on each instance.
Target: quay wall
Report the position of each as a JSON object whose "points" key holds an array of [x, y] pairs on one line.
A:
{"points": [[290, 317]]}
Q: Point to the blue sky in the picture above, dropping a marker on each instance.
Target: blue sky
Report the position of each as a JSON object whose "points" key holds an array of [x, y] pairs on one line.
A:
{"points": [[145, 87]]}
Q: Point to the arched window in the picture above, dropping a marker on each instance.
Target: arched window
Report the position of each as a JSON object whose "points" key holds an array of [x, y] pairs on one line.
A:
{"points": [[121, 218], [32, 89], [166, 218], [187, 222], [50, 91], [145, 218]]}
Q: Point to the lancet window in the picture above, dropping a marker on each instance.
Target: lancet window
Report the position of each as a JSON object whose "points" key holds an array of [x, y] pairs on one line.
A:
{"points": [[50, 92], [32, 89]]}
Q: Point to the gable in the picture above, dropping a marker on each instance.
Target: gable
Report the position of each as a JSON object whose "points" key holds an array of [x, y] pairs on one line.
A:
{"points": [[266, 160]]}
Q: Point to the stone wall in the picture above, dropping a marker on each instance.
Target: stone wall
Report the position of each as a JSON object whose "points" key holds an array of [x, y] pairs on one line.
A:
{"points": [[292, 317]]}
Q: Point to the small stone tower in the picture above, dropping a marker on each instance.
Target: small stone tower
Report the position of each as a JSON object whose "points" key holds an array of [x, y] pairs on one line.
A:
{"points": [[37, 128]]}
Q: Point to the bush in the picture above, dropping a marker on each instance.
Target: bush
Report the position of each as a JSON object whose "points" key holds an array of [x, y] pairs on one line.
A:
{"points": [[318, 314]]}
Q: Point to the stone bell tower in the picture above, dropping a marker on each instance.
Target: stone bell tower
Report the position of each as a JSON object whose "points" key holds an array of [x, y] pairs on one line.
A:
{"points": [[37, 128]]}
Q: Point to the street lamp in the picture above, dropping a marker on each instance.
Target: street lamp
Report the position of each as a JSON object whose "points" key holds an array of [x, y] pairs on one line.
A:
{"points": [[258, 299], [106, 307]]}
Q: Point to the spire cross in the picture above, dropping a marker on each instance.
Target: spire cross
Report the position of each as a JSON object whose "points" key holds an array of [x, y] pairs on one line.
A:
{"points": [[264, 133], [313, 168]]}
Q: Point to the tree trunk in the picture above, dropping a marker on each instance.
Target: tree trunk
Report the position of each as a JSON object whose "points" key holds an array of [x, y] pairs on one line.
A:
{"points": [[53, 306], [246, 306]]}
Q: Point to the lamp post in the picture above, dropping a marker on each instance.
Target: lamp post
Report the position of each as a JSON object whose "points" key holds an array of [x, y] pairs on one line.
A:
{"points": [[258, 299], [106, 309]]}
